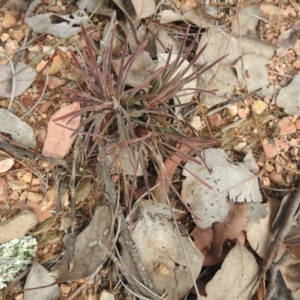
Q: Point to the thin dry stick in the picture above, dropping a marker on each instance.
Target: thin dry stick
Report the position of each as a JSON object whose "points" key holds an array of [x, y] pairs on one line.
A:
{"points": [[110, 190], [279, 238], [71, 244]]}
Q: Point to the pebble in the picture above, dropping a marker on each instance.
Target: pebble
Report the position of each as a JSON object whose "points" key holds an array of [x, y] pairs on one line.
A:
{"points": [[34, 197], [3, 190], [285, 126], [59, 63], [17, 35], [4, 37], [65, 288], [259, 107], [18, 226], [9, 20], [35, 48], [17, 185], [27, 177], [11, 46], [40, 66], [56, 82], [23, 196]]}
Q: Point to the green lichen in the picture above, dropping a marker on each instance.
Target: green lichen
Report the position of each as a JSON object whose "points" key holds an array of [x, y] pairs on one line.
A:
{"points": [[15, 256]]}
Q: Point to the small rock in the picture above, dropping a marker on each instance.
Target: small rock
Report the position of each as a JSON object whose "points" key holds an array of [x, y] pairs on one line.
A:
{"points": [[105, 295], [40, 66], [56, 82], [58, 64], [17, 35], [9, 20], [11, 46], [3, 190], [35, 48], [268, 167], [35, 181], [27, 177], [296, 64], [297, 124], [23, 196], [285, 126], [4, 37], [276, 177], [6, 164], [259, 106], [196, 123], [65, 288], [232, 109], [14, 195], [269, 149], [34, 197], [240, 146], [17, 185], [18, 226]]}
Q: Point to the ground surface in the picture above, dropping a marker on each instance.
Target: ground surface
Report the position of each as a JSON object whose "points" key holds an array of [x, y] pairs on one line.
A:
{"points": [[231, 221]]}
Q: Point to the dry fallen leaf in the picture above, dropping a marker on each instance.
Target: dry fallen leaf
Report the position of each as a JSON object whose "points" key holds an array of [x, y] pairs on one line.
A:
{"points": [[235, 279], [58, 25], [161, 252], [211, 204]]}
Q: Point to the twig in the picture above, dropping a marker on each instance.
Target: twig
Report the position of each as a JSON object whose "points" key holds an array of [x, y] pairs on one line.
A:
{"points": [[231, 101], [20, 153], [279, 238], [130, 244]]}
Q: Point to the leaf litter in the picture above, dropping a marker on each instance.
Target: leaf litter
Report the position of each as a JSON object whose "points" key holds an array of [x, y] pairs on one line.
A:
{"points": [[231, 226]]}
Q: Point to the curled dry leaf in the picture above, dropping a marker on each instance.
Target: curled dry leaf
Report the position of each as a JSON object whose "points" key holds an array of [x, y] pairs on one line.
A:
{"points": [[236, 277], [60, 135], [211, 204], [60, 26], [161, 252], [258, 232], [231, 228]]}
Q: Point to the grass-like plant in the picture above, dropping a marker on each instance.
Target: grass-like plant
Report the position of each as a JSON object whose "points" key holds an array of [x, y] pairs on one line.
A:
{"points": [[140, 121]]}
